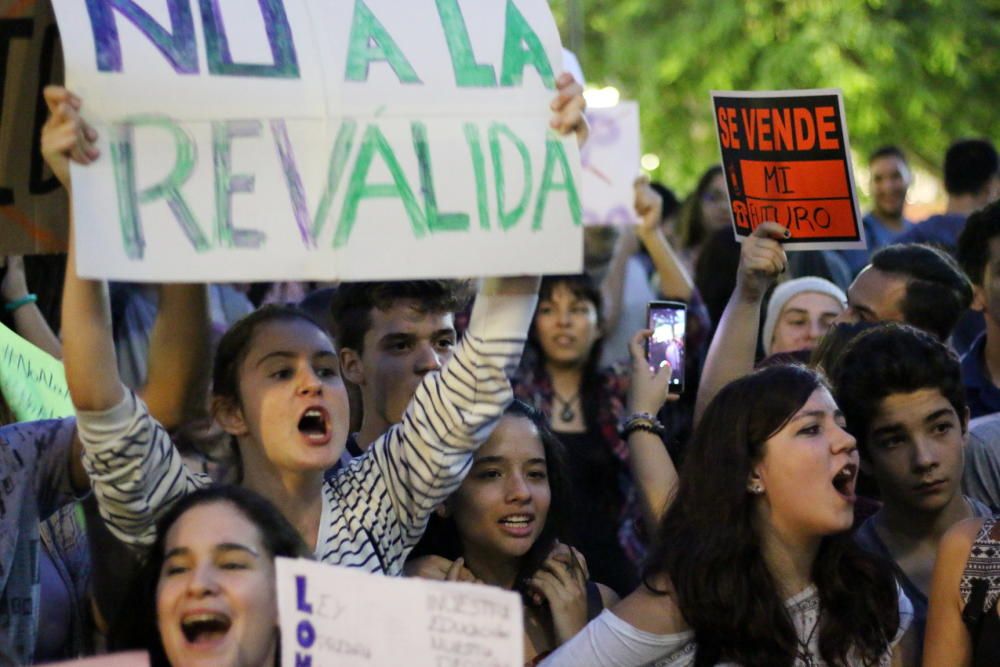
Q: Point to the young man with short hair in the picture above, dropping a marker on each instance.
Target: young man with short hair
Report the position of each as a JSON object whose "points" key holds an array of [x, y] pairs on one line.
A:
{"points": [[889, 180], [389, 335], [914, 283], [901, 393], [979, 255], [972, 179]]}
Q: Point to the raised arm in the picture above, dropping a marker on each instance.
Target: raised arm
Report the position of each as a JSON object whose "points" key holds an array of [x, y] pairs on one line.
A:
{"points": [[88, 351], [652, 468], [133, 466], [675, 283], [29, 322], [731, 353], [179, 355], [422, 460]]}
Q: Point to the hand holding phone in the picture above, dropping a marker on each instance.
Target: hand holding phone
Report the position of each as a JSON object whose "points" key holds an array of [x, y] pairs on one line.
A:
{"points": [[668, 322]]}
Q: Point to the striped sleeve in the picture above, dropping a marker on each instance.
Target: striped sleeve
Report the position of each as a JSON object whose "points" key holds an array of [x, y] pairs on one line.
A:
{"points": [[134, 468], [423, 459]]}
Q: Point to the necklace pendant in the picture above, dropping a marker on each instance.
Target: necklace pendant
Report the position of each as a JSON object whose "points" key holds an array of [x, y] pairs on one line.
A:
{"points": [[567, 413]]}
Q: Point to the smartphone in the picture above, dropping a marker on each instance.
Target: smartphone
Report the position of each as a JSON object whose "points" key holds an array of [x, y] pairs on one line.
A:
{"points": [[668, 320]]}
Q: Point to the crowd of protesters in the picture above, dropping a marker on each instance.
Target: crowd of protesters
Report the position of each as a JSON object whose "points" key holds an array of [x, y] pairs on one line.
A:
{"points": [[821, 493]]}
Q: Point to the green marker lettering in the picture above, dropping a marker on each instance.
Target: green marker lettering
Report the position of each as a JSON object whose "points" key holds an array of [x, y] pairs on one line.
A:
{"points": [[370, 41], [522, 47], [129, 199], [508, 218], [479, 169], [227, 183], [555, 154], [468, 73], [359, 189]]}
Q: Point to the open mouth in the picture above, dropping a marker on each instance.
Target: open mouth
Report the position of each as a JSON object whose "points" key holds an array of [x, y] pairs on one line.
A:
{"points": [[205, 627], [314, 424], [518, 525], [845, 480]]}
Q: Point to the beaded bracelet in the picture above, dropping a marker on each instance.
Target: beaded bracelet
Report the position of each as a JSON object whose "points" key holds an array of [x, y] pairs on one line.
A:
{"points": [[641, 421], [23, 301]]}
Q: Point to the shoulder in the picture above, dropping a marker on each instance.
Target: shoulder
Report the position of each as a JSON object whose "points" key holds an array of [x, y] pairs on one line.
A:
{"points": [[608, 597], [653, 611], [957, 542], [39, 434]]}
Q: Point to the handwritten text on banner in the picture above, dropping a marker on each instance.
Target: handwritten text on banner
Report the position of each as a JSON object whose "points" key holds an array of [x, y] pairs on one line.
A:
{"points": [[320, 139], [339, 616]]}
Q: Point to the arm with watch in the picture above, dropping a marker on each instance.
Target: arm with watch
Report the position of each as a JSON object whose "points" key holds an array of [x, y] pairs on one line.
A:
{"points": [[652, 468], [29, 323]]}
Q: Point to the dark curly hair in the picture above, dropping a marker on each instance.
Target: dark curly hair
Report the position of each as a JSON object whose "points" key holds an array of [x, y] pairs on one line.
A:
{"points": [[352, 304], [937, 292], [442, 539], [891, 359], [974, 243], [709, 546]]}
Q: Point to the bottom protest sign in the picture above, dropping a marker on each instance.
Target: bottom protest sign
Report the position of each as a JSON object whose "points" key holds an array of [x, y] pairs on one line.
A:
{"points": [[341, 616], [33, 382]]}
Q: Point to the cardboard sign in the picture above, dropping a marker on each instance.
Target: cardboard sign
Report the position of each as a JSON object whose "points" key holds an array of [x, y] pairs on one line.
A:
{"points": [[341, 616], [321, 139], [32, 381], [610, 164], [33, 206], [787, 159]]}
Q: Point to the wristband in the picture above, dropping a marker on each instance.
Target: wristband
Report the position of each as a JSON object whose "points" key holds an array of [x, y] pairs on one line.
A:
{"points": [[23, 301], [641, 421]]}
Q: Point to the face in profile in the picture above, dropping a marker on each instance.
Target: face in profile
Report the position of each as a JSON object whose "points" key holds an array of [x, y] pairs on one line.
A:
{"points": [[875, 296], [502, 506], [566, 326], [293, 403], [808, 473], [215, 598], [803, 321]]}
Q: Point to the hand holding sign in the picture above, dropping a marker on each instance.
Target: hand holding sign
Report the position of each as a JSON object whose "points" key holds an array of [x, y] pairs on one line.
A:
{"points": [[341, 616], [568, 108], [340, 139], [786, 159], [762, 260], [65, 135]]}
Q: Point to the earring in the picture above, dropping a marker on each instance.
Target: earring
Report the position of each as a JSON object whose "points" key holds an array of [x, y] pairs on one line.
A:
{"points": [[755, 487]]}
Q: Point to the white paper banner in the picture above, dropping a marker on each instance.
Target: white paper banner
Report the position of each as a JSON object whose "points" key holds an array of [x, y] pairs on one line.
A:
{"points": [[320, 139], [337, 616], [610, 165]]}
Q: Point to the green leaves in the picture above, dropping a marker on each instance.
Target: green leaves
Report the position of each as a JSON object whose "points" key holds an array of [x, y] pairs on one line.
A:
{"points": [[919, 73]]}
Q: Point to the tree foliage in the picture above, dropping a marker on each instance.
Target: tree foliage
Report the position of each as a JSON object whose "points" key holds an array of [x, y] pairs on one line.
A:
{"points": [[918, 73]]}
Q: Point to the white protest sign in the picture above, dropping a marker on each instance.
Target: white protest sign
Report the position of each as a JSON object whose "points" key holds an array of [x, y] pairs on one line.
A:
{"points": [[341, 616], [320, 139], [610, 165]]}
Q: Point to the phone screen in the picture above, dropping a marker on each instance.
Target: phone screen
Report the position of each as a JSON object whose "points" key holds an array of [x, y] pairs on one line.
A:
{"points": [[668, 320]]}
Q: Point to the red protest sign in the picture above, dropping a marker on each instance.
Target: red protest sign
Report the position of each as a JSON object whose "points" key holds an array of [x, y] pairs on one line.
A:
{"points": [[787, 159]]}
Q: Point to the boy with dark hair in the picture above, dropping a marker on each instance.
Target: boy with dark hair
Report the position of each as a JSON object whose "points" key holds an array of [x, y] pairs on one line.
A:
{"points": [[979, 255], [389, 335], [916, 284], [902, 396], [889, 180], [972, 180]]}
